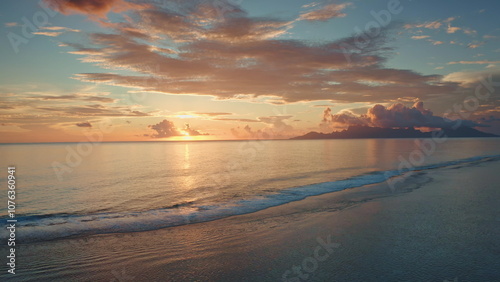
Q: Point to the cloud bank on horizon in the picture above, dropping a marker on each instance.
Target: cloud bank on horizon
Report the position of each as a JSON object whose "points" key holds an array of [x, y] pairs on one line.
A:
{"points": [[395, 116], [165, 129]]}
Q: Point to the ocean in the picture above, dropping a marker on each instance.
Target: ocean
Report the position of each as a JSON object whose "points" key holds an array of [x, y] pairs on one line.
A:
{"points": [[80, 189]]}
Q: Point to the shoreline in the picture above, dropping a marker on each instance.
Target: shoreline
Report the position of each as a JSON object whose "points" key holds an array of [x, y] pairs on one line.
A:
{"points": [[394, 178], [373, 235]]}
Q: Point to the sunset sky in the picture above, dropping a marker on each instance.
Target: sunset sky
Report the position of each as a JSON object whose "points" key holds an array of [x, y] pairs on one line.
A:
{"points": [[239, 69]]}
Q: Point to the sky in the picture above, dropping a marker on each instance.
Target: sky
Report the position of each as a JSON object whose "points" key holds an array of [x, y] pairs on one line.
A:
{"points": [[116, 70]]}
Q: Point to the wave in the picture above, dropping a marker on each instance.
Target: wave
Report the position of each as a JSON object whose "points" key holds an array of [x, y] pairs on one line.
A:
{"points": [[55, 226]]}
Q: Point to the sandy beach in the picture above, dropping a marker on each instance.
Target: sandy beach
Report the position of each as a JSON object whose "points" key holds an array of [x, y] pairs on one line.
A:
{"points": [[442, 224]]}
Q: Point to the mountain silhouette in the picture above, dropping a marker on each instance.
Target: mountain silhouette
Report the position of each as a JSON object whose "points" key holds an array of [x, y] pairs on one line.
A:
{"points": [[354, 132]]}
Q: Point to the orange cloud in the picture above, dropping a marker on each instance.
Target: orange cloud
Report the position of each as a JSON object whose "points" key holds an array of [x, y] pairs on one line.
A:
{"points": [[326, 12], [48, 33], [165, 129], [428, 25], [288, 69], [395, 116], [91, 7], [417, 37], [84, 124], [241, 57], [474, 62]]}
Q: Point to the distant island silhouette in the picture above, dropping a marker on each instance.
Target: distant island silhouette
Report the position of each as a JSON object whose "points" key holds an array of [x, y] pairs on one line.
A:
{"points": [[354, 132]]}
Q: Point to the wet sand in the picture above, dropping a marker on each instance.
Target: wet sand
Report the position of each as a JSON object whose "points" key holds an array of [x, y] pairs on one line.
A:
{"points": [[441, 224]]}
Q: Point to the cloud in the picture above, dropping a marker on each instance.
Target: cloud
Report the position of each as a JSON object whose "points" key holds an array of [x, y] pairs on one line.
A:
{"points": [[469, 31], [450, 19], [428, 25], [84, 124], [452, 29], [446, 24], [48, 33], [248, 133], [322, 106], [99, 99], [417, 37], [489, 115], [434, 42], [60, 110], [94, 111], [325, 13], [475, 44], [54, 31], [292, 70], [483, 62], [310, 5], [191, 132], [56, 28], [43, 117], [181, 27], [165, 129], [237, 119], [277, 123], [470, 79], [276, 128], [98, 8], [74, 97], [11, 24], [242, 57], [395, 116], [341, 119], [327, 115], [213, 114]]}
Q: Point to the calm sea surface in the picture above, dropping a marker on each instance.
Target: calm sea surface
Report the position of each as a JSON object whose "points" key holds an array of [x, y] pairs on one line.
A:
{"points": [[71, 189]]}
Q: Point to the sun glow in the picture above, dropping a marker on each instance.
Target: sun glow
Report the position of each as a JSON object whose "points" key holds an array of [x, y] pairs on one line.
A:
{"points": [[186, 116]]}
